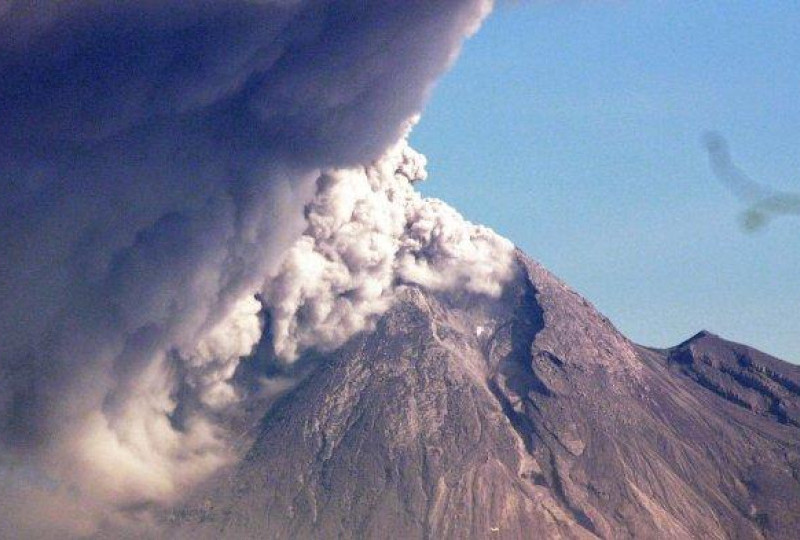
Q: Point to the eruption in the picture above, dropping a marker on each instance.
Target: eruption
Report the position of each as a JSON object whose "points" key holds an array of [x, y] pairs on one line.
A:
{"points": [[368, 233], [156, 161]]}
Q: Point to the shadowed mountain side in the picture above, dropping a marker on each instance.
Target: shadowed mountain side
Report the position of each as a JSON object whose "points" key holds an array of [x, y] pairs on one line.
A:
{"points": [[524, 417], [742, 375]]}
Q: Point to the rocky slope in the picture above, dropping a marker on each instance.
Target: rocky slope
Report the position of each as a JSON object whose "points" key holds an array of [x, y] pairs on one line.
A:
{"points": [[526, 417]]}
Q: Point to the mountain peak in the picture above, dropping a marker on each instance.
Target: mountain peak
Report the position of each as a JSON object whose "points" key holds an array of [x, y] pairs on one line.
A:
{"points": [[463, 416], [703, 334]]}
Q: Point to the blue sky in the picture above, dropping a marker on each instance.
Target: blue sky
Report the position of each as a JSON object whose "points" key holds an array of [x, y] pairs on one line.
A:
{"points": [[573, 128]]}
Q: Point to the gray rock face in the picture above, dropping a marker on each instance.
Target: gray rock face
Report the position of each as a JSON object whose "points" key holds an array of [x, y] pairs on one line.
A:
{"points": [[526, 417]]}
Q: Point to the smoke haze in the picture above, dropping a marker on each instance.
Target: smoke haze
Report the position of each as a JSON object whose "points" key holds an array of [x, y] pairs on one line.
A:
{"points": [[156, 159]]}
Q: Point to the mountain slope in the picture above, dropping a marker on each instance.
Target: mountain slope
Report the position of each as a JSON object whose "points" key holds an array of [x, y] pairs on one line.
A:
{"points": [[530, 416]]}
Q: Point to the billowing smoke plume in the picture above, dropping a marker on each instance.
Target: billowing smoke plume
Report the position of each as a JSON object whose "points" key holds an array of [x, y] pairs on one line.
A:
{"points": [[368, 232], [155, 161]]}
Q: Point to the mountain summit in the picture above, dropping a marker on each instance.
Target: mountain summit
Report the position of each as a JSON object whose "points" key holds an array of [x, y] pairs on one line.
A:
{"points": [[525, 416]]}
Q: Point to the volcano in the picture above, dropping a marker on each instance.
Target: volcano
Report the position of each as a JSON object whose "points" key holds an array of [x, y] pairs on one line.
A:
{"points": [[524, 416]]}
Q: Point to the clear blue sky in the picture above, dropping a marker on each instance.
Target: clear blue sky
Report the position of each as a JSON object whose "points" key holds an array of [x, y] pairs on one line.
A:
{"points": [[573, 128]]}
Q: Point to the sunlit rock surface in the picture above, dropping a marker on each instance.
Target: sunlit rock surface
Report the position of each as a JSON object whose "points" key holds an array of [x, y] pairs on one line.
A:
{"points": [[528, 416]]}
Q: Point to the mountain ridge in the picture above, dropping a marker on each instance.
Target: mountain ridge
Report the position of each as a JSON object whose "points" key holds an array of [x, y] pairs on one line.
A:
{"points": [[526, 416]]}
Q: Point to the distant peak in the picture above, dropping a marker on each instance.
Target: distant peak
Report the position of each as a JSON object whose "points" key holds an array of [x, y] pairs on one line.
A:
{"points": [[702, 334]]}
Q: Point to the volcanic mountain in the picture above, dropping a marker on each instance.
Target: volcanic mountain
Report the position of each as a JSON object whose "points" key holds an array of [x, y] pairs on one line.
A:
{"points": [[527, 416]]}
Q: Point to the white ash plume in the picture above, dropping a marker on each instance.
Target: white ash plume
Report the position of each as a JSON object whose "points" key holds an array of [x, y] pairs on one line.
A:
{"points": [[369, 232], [212, 362]]}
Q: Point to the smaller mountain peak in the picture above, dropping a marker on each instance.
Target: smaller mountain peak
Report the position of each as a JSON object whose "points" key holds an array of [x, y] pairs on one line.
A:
{"points": [[700, 336], [703, 334]]}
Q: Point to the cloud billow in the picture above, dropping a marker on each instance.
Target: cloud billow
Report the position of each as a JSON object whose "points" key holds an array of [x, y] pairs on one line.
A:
{"points": [[155, 160]]}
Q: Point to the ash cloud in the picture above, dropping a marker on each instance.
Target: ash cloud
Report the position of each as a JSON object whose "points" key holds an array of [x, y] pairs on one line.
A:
{"points": [[369, 232], [155, 161]]}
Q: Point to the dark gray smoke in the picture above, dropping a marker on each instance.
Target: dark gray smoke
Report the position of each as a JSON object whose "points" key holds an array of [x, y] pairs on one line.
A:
{"points": [[155, 158]]}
